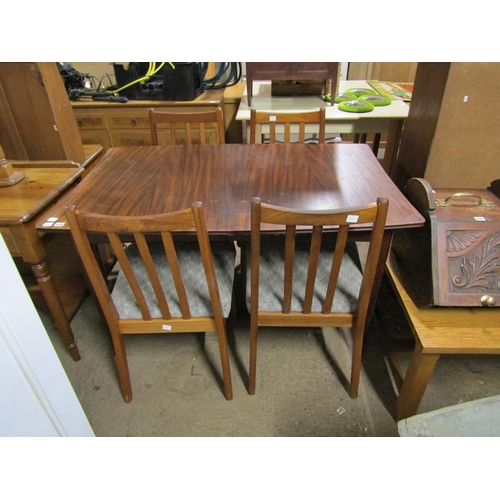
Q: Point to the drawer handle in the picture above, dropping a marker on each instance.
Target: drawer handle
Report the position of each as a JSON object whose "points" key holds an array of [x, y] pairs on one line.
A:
{"points": [[80, 123], [480, 201], [133, 122], [488, 301]]}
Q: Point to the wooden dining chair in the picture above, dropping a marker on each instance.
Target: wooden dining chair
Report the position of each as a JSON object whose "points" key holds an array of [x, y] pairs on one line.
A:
{"points": [[315, 281], [284, 123], [162, 286], [189, 127]]}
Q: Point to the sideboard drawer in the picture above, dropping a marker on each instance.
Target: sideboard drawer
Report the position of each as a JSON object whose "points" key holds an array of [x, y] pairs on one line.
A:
{"points": [[90, 121], [122, 137], [128, 119]]}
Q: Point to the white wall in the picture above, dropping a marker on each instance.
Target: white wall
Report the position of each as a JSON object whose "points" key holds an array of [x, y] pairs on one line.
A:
{"points": [[37, 397]]}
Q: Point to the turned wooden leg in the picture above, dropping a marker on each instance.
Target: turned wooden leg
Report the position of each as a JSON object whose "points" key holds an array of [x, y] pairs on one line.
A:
{"points": [[42, 274], [415, 382]]}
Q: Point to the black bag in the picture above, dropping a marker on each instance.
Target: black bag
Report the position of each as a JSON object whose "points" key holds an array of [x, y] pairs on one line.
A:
{"points": [[140, 91], [183, 82]]}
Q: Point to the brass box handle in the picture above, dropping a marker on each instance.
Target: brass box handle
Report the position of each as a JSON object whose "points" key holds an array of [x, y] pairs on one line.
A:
{"points": [[480, 201]]}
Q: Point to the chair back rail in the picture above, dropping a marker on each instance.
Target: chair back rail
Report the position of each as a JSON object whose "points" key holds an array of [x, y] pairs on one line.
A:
{"points": [[285, 121], [188, 121]]}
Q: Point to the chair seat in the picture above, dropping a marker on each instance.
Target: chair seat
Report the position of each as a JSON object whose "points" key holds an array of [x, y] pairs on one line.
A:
{"points": [[194, 279], [272, 276]]}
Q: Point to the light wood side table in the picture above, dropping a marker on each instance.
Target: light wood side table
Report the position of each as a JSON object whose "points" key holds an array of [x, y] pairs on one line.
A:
{"points": [[437, 331], [21, 206]]}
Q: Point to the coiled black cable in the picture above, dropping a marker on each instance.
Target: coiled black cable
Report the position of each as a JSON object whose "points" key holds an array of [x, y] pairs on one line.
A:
{"points": [[232, 70]]}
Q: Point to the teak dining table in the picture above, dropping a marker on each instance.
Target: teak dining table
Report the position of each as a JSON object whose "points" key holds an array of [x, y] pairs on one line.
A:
{"points": [[147, 180]]}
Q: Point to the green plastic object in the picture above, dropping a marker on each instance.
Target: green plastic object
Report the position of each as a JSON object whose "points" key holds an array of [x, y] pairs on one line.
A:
{"points": [[358, 92], [376, 100], [356, 106], [344, 97]]}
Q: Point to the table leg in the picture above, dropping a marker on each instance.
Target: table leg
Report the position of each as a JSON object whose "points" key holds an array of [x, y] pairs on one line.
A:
{"points": [[29, 246], [376, 144], [49, 292], [415, 382], [392, 145]]}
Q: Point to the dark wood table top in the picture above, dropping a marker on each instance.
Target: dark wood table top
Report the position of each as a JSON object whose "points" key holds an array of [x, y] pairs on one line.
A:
{"points": [[157, 179]]}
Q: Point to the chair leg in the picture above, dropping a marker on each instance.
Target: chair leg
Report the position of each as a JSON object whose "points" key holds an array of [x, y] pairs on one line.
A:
{"points": [[252, 371], [224, 359], [357, 352], [242, 288], [122, 365]]}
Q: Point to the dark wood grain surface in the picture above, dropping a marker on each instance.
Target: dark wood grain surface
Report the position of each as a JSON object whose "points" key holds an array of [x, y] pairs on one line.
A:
{"points": [[159, 179]]}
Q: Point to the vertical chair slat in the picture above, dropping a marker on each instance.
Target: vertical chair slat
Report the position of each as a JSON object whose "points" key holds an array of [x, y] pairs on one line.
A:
{"points": [[173, 133], [152, 274], [287, 133], [203, 137], [289, 258], [272, 132], [302, 132], [173, 262], [126, 268], [335, 269], [187, 128], [312, 268]]}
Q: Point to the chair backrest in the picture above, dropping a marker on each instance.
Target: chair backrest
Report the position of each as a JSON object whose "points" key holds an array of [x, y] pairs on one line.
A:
{"points": [[114, 228], [296, 222], [285, 123], [196, 126]]}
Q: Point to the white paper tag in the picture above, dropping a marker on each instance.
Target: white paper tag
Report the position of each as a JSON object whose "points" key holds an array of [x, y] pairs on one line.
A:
{"points": [[52, 219], [166, 327], [47, 224], [59, 224], [480, 219], [272, 118], [352, 218]]}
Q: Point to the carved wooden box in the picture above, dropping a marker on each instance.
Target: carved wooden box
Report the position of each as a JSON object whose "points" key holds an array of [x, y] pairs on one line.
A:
{"points": [[454, 260]]}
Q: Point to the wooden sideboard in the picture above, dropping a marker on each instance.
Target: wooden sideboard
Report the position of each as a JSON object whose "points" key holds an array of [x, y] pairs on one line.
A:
{"points": [[127, 124]]}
